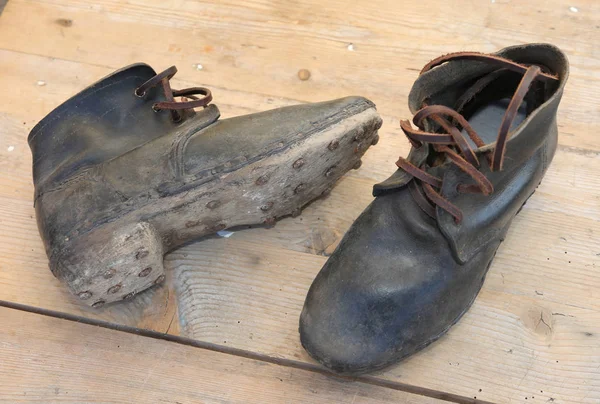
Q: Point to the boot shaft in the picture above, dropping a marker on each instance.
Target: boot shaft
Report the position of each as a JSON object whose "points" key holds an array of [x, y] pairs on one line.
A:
{"points": [[103, 121]]}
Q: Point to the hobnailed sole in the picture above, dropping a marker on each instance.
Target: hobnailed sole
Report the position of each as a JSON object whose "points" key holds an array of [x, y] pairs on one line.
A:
{"points": [[122, 258]]}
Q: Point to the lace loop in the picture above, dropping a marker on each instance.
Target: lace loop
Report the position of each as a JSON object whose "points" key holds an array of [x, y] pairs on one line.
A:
{"points": [[153, 82], [418, 173], [417, 137], [424, 185], [170, 104], [511, 114], [187, 93], [435, 112], [492, 59]]}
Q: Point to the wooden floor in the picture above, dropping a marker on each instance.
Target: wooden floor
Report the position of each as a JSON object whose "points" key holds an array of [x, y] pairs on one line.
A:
{"points": [[533, 334]]}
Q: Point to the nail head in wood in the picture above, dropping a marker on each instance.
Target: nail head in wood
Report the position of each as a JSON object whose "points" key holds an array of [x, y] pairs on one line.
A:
{"points": [[99, 303], [298, 163], [267, 206], [145, 272], [114, 289], [262, 180], [109, 273], [85, 295], [213, 204]]}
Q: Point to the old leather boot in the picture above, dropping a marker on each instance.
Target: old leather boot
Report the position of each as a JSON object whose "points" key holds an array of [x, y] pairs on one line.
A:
{"points": [[412, 263], [124, 173]]}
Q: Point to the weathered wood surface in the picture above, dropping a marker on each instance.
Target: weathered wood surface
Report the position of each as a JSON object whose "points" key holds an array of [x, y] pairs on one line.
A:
{"points": [[533, 330], [49, 360]]}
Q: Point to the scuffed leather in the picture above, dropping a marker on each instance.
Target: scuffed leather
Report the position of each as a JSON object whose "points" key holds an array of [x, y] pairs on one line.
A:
{"points": [[88, 128], [389, 288], [400, 279], [105, 152]]}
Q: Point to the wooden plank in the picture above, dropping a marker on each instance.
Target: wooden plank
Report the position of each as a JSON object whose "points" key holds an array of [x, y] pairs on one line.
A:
{"points": [[263, 286], [533, 331], [568, 188], [44, 359], [231, 273], [378, 163], [251, 54], [259, 46]]}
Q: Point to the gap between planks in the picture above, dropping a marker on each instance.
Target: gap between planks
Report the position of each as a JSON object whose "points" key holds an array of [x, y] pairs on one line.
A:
{"points": [[372, 380]]}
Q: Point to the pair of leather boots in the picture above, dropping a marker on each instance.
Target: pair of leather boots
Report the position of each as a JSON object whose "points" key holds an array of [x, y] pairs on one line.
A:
{"points": [[124, 173]]}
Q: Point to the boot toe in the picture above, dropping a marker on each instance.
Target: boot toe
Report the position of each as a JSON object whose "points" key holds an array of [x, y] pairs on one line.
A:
{"points": [[343, 348], [353, 333], [383, 295]]}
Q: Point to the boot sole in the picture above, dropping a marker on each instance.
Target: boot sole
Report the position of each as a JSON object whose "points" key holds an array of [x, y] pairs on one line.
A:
{"points": [[120, 259]]}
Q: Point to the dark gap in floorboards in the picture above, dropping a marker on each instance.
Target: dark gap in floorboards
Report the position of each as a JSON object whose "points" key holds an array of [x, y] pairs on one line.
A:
{"points": [[372, 380]]}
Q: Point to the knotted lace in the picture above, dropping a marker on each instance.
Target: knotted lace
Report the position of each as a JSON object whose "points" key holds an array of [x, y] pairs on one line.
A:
{"points": [[190, 94], [453, 144]]}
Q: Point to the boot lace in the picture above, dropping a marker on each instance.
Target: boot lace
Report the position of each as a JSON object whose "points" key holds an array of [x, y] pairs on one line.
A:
{"points": [[176, 107], [425, 187]]}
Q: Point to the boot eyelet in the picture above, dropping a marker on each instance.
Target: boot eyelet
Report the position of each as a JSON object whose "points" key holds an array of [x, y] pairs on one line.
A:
{"points": [[138, 94], [458, 186], [155, 108]]}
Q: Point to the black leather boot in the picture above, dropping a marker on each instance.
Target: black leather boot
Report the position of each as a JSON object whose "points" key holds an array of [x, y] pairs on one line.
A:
{"points": [[412, 263], [124, 173]]}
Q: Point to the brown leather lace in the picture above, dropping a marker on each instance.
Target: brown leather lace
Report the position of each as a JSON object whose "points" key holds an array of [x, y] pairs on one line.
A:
{"points": [[170, 94], [453, 144]]}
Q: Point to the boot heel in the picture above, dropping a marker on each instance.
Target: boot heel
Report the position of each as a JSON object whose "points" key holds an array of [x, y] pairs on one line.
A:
{"points": [[114, 262]]}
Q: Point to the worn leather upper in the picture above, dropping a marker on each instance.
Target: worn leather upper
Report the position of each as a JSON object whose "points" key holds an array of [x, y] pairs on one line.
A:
{"points": [[400, 278], [101, 122], [106, 152]]}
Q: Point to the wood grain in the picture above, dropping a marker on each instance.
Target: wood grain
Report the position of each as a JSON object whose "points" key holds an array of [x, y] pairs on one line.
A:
{"points": [[259, 46], [532, 335], [534, 323], [244, 46], [555, 220], [44, 359]]}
